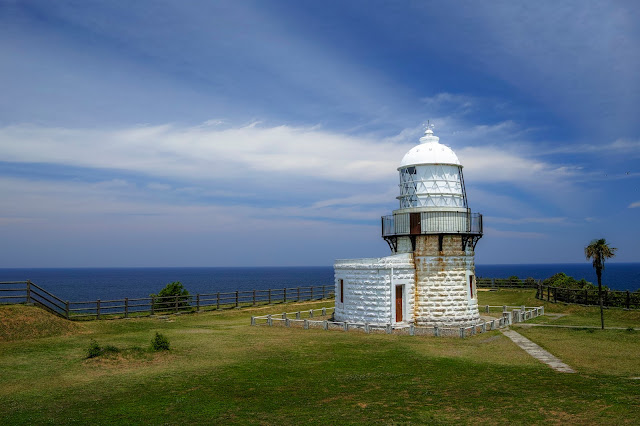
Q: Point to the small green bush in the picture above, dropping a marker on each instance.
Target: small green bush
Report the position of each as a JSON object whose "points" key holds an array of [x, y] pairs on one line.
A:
{"points": [[110, 349], [160, 342], [172, 296], [94, 349], [563, 280]]}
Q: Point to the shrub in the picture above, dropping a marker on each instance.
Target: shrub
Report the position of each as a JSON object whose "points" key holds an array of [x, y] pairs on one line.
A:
{"points": [[110, 349], [94, 349], [562, 280], [172, 296], [160, 342]]}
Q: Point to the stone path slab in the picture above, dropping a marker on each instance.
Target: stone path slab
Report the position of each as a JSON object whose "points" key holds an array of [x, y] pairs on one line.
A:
{"points": [[537, 352]]}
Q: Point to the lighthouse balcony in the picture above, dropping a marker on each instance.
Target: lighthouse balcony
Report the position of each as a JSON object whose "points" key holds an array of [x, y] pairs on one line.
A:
{"points": [[433, 222]]}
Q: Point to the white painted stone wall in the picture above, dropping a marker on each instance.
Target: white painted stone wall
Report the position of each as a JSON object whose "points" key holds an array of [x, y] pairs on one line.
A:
{"points": [[369, 288]]}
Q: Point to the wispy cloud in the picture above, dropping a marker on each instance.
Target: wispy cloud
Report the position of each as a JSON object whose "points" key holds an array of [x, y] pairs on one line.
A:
{"points": [[492, 232], [634, 205], [524, 220]]}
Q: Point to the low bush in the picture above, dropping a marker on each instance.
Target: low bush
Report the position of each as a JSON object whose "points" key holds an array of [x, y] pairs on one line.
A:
{"points": [[172, 296], [160, 342], [94, 349], [562, 280]]}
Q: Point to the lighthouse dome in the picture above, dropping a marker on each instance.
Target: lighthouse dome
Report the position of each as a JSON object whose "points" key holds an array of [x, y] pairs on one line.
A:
{"points": [[430, 151], [431, 177]]}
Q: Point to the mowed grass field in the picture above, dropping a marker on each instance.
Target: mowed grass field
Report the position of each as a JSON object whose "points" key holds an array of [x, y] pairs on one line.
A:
{"points": [[221, 370]]}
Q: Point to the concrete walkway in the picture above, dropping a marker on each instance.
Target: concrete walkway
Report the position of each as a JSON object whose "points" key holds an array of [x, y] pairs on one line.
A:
{"points": [[537, 352]]}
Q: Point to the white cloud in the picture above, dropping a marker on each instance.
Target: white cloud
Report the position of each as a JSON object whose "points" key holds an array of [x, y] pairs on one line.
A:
{"points": [[492, 232], [634, 205], [208, 153], [523, 220]]}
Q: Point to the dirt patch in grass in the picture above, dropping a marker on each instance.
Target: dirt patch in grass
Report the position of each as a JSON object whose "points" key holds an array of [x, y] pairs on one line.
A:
{"points": [[20, 322]]}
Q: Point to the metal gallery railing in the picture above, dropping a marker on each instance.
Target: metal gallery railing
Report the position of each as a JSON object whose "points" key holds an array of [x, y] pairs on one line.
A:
{"points": [[435, 222]]}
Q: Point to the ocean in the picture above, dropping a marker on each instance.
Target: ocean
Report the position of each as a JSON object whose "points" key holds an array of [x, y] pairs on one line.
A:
{"points": [[83, 284]]}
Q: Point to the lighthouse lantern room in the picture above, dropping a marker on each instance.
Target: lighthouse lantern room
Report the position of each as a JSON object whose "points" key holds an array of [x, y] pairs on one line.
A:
{"points": [[429, 278]]}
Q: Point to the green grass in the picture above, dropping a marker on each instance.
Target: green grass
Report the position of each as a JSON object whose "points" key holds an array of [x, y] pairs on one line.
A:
{"points": [[221, 370], [561, 313]]}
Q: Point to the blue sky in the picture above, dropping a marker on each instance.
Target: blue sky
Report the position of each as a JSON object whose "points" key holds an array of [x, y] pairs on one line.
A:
{"points": [[240, 133]]}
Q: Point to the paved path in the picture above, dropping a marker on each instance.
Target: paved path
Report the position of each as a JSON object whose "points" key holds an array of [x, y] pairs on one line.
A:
{"points": [[537, 352]]}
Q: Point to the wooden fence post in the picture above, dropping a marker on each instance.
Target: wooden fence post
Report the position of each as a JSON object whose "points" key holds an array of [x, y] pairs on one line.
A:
{"points": [[298, 294], [324, 296], [218, 300], [176, 304], [198, 302], [311, 293], [236, 298], [126, 307], [555, 295], [284, 298], [66, 308], [628, 299], [29, 292], [586, 297], [254, 297], [269, 296], [98, 309]]}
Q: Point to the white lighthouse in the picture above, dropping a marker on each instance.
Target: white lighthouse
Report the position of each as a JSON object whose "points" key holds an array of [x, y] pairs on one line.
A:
{"points": [[429, 280]]}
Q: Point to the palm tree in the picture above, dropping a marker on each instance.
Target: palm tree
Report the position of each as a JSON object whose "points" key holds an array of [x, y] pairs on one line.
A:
{"points": [[598, 251]]}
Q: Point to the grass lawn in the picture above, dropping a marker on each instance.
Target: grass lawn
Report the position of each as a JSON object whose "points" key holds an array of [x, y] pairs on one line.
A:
{"points": [[220, 369]]}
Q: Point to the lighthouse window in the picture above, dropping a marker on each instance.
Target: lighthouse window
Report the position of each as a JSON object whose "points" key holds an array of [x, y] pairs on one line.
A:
{"points": [[471, 285], [341, 291], [411, 170]]}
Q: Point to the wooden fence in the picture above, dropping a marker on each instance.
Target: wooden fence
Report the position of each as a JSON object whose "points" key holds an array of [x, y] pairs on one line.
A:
{"points": [[506, 283], [28, 292], [589, 297]]}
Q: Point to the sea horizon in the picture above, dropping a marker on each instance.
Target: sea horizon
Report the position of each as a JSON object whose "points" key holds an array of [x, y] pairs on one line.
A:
{"points": [[91, 283]]}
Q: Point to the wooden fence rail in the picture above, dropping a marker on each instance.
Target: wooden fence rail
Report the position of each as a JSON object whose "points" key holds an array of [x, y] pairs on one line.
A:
{"points": [[589, 297], [506, 283], [28, 292]]}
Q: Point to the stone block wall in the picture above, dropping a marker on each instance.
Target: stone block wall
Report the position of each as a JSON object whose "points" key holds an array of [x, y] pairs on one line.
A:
{"points": [[443, 294]]}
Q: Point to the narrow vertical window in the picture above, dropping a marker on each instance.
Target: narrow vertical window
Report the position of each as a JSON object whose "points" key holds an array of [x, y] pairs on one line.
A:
{"points": [[471, 285], [341, 291], [440, 241]]}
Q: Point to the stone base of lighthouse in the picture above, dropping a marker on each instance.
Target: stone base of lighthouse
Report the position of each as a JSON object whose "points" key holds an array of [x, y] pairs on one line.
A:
{"points": [[429, 281], [445, 291]]}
